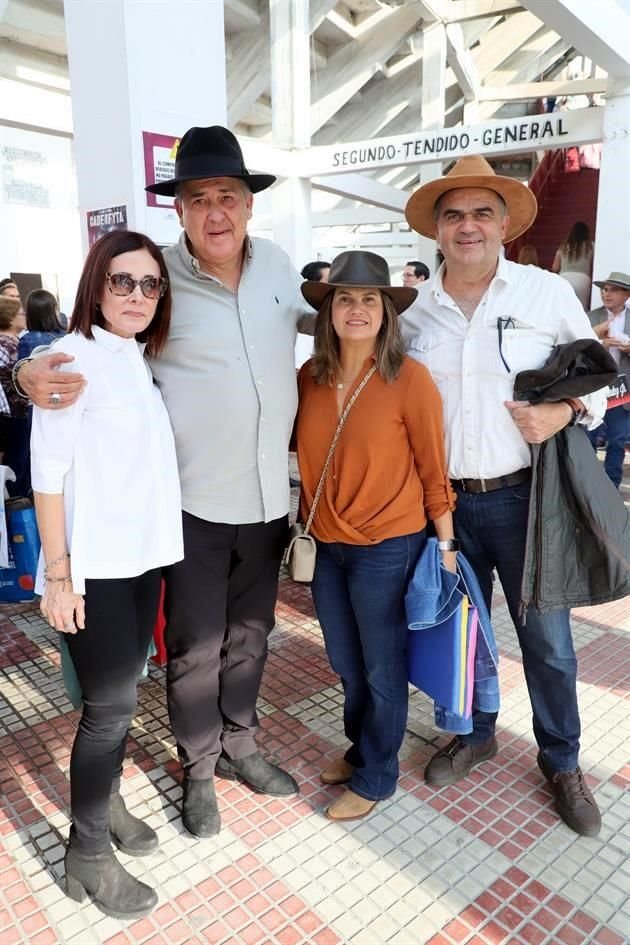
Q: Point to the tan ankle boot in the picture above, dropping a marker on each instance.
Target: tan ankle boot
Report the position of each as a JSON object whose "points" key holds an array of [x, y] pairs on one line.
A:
{"points": [[350, 806], [338, 772]]}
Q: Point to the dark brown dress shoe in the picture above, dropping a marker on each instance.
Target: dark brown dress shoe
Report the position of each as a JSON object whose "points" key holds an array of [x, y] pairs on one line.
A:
{"points": [[573, 799], [456, 761]]}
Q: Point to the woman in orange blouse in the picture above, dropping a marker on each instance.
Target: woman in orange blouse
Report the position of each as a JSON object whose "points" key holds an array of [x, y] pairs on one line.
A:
{"points": [[388, 476]]}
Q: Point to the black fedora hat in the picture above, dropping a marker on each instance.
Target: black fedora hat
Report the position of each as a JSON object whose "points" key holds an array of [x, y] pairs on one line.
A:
{"points": [[204, 153], [358, 268]]}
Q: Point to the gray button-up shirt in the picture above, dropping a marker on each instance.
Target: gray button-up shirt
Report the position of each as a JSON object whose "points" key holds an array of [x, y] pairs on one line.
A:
{"points": [[227, 375]]}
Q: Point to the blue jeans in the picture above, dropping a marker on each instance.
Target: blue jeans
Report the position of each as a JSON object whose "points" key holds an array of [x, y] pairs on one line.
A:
{"points": [[617, 425], [359, 596], [492, 528]]}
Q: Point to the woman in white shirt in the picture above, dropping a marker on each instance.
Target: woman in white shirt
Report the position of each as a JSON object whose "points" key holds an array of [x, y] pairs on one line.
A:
{"points": [[108, 507]]}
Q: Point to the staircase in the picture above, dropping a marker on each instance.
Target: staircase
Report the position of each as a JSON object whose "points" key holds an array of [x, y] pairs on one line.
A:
{"points": [[563, 199]]}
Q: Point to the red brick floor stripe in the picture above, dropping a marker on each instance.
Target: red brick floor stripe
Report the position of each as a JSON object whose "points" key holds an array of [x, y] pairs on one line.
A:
{"points": [[605, 662], [15, 646], [518, 909]]}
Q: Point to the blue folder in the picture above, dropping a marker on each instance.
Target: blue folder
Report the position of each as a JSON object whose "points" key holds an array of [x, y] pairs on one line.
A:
{"points": [[437, 659]]}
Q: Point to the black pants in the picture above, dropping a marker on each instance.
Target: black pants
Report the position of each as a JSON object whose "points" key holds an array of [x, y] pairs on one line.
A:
{"points": [[220, 603], [108, 656]]}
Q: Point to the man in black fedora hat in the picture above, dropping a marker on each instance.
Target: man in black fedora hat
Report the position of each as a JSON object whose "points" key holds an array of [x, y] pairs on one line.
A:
{"points": [[228, 379]]}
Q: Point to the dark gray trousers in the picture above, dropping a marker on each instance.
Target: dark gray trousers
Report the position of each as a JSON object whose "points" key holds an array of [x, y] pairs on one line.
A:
{"points": [[219, 605]]}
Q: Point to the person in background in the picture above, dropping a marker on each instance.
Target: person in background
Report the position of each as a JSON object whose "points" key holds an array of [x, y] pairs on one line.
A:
{"points": [[388, 477], [101, 468], [574, 261], [42, 322], [611, 323], [14, 409], [316, 271], [414, 273], [9, 289], [528, 255], [480, 321]]}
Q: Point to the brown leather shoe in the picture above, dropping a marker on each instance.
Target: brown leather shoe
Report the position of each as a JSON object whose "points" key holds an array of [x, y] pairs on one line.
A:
{"points": [[573, 799], [338, 772], [456, 761], [350, 806]]}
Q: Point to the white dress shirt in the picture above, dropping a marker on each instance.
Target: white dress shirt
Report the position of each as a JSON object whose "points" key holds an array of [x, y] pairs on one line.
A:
{"points": [[617, 330], [227, 375], [540, 310], [112, 455]]}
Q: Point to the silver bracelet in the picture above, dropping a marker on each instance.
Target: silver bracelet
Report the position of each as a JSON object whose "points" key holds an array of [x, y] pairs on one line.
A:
{"points": [[14, 378]]}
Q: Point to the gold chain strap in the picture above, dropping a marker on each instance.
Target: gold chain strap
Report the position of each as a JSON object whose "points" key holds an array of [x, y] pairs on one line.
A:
{"points": [[342, 420]]}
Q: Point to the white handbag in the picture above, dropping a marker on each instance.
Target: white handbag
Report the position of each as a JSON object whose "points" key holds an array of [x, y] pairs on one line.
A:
{"points": [[302, 550]]}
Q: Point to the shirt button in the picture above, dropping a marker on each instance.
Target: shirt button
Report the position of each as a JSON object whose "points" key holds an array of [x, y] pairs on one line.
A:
{"points": [[262, 455], [251, 347]]}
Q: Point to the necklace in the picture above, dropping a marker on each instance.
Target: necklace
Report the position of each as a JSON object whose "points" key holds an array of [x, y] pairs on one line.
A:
{"points": [[340, 386]]}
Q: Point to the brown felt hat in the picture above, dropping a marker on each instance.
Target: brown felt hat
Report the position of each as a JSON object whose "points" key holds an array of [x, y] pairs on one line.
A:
{"points": [[473, 171]]}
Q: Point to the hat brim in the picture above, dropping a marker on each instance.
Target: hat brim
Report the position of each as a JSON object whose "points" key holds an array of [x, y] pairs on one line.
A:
{"points": [[255, 182], [520, 201], [315, 293], [615, 282]]}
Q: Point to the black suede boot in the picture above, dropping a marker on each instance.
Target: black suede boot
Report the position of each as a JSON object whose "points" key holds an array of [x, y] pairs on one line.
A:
{"points": [[115, 891], [258, 774], [130, 834], [200, 810]]}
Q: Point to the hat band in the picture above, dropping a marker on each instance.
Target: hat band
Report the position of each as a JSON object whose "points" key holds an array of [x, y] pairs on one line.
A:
{"points": [[207, 167]]}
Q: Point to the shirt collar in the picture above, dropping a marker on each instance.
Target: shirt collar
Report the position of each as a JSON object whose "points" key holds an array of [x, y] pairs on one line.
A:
{"points": [[503, 274], [192, 263], [112, 342]]}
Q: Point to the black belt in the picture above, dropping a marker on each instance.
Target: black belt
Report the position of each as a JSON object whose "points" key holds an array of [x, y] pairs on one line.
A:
{"points": [[489, 485]]}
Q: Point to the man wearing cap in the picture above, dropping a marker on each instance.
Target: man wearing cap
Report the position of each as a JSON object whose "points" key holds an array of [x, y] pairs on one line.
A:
{"points": [[227, 376], [611, 322], [476, 324]]}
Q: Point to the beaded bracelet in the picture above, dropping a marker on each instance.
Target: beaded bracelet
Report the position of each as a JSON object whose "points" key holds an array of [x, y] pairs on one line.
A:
{"points": [[52, 564]]}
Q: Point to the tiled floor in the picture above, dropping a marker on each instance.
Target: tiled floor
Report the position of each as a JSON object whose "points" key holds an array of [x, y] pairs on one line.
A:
{"points": [[484, 862]]}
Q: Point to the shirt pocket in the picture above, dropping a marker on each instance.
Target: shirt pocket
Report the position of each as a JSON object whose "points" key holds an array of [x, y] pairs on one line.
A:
{"points": [[438, 353], [524, 347]]}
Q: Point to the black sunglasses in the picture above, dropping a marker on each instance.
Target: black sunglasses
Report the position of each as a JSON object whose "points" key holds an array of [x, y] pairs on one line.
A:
{"points": [[123, 283]]}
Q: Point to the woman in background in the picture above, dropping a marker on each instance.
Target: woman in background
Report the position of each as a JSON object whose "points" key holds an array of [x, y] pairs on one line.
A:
{"points": [[574, 261], [42, 322]]}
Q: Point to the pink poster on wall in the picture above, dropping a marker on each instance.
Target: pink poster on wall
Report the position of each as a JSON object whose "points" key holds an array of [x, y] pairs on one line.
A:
{"points": [[159, 164]]}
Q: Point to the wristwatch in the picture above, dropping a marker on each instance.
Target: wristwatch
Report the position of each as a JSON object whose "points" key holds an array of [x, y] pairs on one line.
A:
{"points": [[450, 544], [578, 411]]}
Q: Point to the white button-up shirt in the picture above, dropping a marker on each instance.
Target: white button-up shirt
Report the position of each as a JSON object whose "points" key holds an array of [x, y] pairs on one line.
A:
{"points": [[112, 455], [227, 375], [539, 310]]}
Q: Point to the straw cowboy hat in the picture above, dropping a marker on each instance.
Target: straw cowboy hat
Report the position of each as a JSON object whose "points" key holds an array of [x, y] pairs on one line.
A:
{"points": [[473, 171], [620, 279], [358, 268], [204, 153]]}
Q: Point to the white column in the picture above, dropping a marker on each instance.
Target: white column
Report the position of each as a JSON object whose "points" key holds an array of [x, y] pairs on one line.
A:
{"points": [[290, 123], [612, 241], [433, 108], [139, 66]]}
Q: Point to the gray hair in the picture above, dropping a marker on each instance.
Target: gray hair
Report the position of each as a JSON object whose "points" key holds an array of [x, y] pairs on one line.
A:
{"points": [[181, 185]]}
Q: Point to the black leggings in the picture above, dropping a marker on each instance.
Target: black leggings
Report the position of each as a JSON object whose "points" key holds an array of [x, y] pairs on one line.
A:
{"points": [[108, 656]]}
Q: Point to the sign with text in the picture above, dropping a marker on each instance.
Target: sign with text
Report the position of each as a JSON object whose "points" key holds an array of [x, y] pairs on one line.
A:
{"points": [[100, 222], [507, 136], [619, 392], [159, 164]]}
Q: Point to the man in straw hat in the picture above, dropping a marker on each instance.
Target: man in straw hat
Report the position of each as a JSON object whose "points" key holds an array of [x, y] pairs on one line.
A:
{"points": [[611, 322], [475, 325], [227, 375]]}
